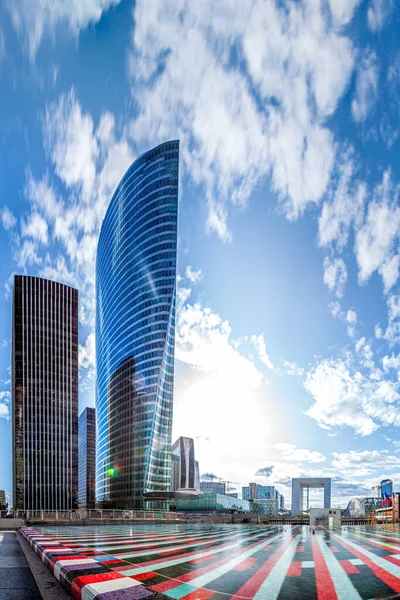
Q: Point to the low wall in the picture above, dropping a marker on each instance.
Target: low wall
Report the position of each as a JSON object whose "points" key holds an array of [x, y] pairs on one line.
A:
{"points": [[11, 524]]}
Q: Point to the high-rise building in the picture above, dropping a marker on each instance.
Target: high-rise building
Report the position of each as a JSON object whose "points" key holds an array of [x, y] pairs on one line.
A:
{"points": [[196, 475], [3, 501], [183, 466], [135, 331], [87, 458], [45, 394]]}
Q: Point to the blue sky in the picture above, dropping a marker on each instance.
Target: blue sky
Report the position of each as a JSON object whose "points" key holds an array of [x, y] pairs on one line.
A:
{"points": [[289, 225]]}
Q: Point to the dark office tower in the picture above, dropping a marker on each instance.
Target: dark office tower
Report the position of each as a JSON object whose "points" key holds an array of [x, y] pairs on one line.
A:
{"points": [[183, 475], [44, 394], [135, 331], [87, 458]]}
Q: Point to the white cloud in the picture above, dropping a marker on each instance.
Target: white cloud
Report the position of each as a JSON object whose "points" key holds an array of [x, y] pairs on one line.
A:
{"points": [[41, 17], [373, 458], [193, 276], [375, 244], [300, 67], [5, 398], [345, 205], [203, 341], [379, 13], [72, 144], [291, 368], [8, 218], [335, 275], [366, 87], [345, 396], [291, 453], [351, 319], [343, 10], [89, 163], [87, 356], [259, 343], [35, 228]]}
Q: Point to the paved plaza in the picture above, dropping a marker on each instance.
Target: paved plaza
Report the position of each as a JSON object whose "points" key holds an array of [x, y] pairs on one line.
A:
{"points": [[202, 562]]}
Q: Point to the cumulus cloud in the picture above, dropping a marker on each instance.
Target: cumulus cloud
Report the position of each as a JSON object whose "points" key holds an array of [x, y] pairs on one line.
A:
{"points": [[35, 228], [350, 391], [372, 458], [291, 453], [366, 87], [192, 275], [259, 343], [343, 10], [5, 399], [88, 162], [36, 19], [87, 357], [264, 472], [228, 142], [344, 205], [335, 275], [376, 238], [8, 219], [379, 13]]}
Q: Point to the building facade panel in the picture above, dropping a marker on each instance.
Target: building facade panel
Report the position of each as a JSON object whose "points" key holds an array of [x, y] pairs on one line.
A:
{"points": [[135, 330], [87, 458], [44, 394]]}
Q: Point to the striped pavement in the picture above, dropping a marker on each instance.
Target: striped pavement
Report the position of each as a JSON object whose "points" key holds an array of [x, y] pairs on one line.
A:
{"points": [[222, 562]]}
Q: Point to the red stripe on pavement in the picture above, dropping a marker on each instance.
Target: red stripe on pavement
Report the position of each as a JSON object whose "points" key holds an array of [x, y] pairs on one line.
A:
{"points": [[252, 585], [323, 580], [245, 564], [294, 569], [195, 561], [390, 580], [79, 582], [348, 567], [144, 576], [200, 594], [334, 548]]}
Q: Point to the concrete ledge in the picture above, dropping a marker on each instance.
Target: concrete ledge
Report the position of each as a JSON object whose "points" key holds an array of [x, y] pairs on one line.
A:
{"points": [[49, 587], [7, 524]]}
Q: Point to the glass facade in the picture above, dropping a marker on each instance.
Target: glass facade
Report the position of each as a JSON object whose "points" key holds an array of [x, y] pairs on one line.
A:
{"points": [[45, 394], [211, 503], [183, 475], [87, 458], [135, 331]]}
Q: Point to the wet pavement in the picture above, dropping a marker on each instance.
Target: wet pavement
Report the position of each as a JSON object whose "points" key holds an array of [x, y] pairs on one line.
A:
{"points": [[203, 562], [16, 579]]}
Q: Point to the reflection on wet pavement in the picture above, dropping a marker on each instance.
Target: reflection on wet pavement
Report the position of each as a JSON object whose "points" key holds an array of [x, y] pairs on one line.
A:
{"points": [[201, 562]]}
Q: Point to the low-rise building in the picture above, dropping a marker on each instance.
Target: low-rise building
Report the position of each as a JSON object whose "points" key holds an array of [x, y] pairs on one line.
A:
{"points": [[209, 503]]}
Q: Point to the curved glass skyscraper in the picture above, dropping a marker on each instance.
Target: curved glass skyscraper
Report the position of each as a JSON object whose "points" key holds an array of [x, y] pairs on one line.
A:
{"points": [[135, 330]]}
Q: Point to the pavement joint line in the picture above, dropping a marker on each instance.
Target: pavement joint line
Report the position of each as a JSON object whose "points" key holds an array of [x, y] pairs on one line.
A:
{"points": [[48, 586]]}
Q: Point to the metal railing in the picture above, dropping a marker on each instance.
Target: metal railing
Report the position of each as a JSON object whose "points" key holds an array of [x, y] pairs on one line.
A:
{"points": [[93, 513]]}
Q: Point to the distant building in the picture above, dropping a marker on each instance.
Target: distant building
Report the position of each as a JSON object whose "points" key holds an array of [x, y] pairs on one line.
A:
{"points": [[301, 490], [3, 501], [256, 491], [183, 465], [44, 394], [209, 502], [252, 491], [267, 506], [196, 475], [87, 458], [386, 488], [363, 506], [212, 487]]}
